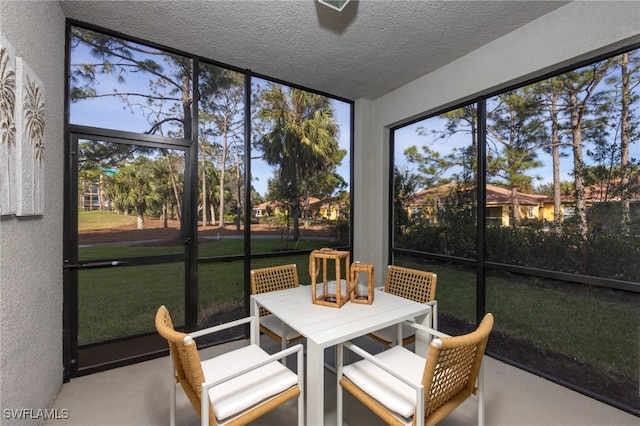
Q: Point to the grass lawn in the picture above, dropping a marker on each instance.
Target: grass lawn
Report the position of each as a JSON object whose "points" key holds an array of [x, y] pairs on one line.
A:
{"points": [[121, 301], [595, 326], [103, 219]]}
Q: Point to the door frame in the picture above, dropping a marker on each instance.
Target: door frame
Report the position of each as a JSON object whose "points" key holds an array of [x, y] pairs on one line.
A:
{"points": [[125, 350]]}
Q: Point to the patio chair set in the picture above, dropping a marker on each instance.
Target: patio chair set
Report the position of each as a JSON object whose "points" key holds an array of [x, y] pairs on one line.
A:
{"points": [[397, 384]]}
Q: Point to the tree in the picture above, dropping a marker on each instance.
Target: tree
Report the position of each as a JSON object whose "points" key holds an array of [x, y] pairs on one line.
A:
{"points": [[135, 188], [166, 106], [430, 165], [515, 132], [625, 84], [459, 121], [165, 103], [550, 95], [168, 100], [578, 88], [222, 123], [405, 185], [299, 139]]}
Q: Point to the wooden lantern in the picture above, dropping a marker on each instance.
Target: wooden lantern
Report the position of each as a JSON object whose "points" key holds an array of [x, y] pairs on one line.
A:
{"points": [[361, 283], [327, 292]]}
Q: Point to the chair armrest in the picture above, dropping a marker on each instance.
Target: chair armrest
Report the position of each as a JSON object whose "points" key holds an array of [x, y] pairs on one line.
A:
{"points": [[428, 330], [375, 361], [217, 328]]}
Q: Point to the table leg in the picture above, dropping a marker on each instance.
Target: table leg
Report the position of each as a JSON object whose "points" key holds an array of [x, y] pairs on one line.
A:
{"points": [[422, 338], [254, 310], [315, 384]]}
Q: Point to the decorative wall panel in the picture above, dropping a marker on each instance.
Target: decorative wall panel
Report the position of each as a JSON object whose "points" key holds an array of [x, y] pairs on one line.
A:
{"points": [[30, 126], [8, 199]]}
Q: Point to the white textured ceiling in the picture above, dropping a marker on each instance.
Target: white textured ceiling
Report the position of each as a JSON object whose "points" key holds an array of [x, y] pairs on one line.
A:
{"points": [[365, 51]]}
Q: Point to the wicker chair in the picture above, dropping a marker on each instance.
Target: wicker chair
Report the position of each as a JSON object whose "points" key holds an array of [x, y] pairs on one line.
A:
{"points": [[413, 284], [242, 384], [275, 278], [403, 388]]}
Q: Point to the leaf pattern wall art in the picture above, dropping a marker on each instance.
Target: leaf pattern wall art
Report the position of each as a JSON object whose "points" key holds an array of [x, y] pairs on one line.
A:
{"points": [[8, 171], [30, 126]]}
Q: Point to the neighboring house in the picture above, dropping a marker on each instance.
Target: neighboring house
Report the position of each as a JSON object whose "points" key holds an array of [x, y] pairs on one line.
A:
{"points": [[500, 206], [426, 203], [332, 211], [263, 209], [277, 208]]}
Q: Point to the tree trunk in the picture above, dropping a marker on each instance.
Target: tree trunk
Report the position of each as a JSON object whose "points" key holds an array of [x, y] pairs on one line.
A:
{"points": [[555, 155], [174, 185], [140, 220], [223, 169], [205, 222], [515, 202], [624, 144], [578, 166], [165, 221]]}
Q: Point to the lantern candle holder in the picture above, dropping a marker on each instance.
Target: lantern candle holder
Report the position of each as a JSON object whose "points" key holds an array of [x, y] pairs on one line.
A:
{"points": [[333, 293], [361, 283]]}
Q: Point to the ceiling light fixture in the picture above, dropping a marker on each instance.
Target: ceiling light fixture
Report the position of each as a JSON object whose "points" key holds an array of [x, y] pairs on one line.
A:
{"points": [[334, 4]]}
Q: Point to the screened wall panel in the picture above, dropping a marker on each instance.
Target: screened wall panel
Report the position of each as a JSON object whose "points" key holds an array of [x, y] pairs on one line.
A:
{"points": [[557, 170], [434, 179], [221, 151], [300, 169], [119, 302], [135, 87]]}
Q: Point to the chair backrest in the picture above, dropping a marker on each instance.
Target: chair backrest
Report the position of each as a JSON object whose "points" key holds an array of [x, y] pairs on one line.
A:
{"points": [[186, 360], [273, 278], [451, 370], [413, 284]]}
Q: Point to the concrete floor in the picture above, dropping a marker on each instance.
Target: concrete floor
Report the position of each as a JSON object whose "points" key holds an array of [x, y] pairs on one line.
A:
{"points": [[138, 395]]}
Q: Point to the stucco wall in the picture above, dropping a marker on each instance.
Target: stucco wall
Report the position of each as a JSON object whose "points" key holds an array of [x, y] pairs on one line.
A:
{"points": [[31, 248], [576, 31]]}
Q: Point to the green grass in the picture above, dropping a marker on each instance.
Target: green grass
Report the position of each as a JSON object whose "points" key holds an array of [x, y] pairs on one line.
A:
{"points": [[589, 325], [103, 219], [593, 326], [121, 301]]}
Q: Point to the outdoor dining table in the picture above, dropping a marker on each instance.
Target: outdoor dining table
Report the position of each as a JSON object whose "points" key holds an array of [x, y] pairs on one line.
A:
{"points": [[325, 326]]}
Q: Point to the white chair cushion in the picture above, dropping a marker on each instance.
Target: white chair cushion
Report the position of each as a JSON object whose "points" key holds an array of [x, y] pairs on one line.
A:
{"points": [[387, 333], [274, 324], [389, 391], [236, 395]]}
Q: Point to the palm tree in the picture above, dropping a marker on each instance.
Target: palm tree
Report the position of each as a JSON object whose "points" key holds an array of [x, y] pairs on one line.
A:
{"points": [[135, 187], [300, 139]]}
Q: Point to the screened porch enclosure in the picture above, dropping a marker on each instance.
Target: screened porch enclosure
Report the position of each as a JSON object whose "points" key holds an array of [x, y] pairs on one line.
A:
{"points": [[494, 195]]}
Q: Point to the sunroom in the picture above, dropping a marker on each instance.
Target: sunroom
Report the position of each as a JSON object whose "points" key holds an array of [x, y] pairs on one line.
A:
{"points": [[538, 99]]}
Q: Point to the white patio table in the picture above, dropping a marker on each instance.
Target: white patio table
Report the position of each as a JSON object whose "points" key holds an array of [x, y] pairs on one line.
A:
{"points": [[325, 327]]}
